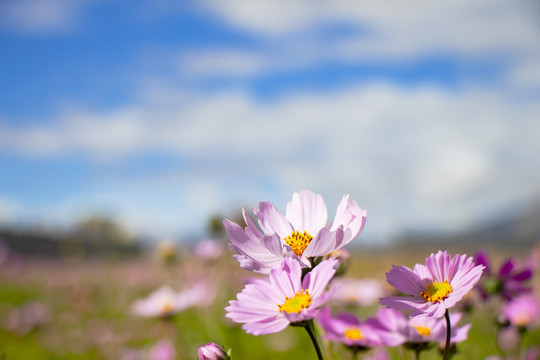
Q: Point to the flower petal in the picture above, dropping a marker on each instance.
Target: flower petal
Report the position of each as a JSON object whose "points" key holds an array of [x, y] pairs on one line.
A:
{"points": [[438, 265], [323, 244], [318, 278], [272, 221], [287, 278], [307, 211], [405, 280]]}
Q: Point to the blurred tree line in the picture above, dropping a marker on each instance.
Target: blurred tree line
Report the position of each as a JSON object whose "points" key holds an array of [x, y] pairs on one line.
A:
{"points": [[93, 236]]}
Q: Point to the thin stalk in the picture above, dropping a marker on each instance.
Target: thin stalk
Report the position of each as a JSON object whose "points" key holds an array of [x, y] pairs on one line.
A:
{"points": [[448, 334], [417, 354], [311, 332]]}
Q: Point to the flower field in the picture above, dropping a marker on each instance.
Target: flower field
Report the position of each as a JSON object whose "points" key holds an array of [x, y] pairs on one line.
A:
{"points": [[63, 309]]}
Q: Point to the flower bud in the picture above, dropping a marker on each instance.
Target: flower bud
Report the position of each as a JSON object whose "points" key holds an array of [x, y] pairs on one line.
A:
{"points": [[212, 351]]}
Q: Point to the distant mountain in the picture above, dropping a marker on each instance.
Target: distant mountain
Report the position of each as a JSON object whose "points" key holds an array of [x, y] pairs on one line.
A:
{"points": [[519, 231]]}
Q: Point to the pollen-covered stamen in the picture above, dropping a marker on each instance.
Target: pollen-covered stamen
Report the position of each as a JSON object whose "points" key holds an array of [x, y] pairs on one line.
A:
{"points": [[299, 301], [422, 330], [353, 334], [298, 241], [436, 291]]}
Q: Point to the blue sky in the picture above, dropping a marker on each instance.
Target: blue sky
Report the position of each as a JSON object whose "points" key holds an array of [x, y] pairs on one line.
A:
{"points": [[161, 114]]}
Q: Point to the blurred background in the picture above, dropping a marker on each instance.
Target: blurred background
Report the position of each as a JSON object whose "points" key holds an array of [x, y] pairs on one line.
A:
{"points": [[128, 124]]}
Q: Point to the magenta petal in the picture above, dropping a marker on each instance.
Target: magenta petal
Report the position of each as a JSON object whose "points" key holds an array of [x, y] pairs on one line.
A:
{"points": [[506, 268], [481, 258], [523, 275]]}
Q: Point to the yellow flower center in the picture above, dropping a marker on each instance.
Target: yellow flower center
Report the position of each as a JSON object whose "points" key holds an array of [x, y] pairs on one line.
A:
{"points": [[353, 334], [523, 320], [436, 291], [298, 241], [165, 308], [299, 301], [422, 330]]}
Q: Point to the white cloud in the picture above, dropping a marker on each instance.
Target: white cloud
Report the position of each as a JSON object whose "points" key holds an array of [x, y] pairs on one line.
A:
{"points": [[38, 17], [405, 155], [390, 29]]}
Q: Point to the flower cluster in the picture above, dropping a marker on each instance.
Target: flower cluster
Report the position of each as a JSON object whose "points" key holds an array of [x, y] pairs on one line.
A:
{"points": [[299, 255]]}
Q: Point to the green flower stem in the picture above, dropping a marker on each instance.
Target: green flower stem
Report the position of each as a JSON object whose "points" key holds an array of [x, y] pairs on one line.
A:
{"points": [[448, 335], [310, 328]]}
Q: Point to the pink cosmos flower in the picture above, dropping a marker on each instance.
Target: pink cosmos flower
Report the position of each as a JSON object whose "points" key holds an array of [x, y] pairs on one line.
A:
{"points": [[361, 292], [348, 330], [211, 351], [301, 233], [433, 287], [165, 302], [522, 311], [396, 329], [163, 350], [209, 249], [266, 307], [420, 329]]}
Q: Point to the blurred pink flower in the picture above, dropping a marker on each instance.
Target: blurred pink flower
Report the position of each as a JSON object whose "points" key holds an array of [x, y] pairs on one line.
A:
{"points": [[361, 292], [266, 307], [201, 293], [508, 338], [27, 317], [347, 329], [165, 302], [163, 350], [301, 233], [420, 329], [522, 311], [209, 249], [434, 287]]}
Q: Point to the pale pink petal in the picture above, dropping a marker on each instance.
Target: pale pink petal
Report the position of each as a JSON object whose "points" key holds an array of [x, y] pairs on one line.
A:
{"points": [[351, 216], [307, 212], [404, 303], [272, 221], [268, 326], [324, 243], [252, 229], [287, 277], [318, 278]]}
